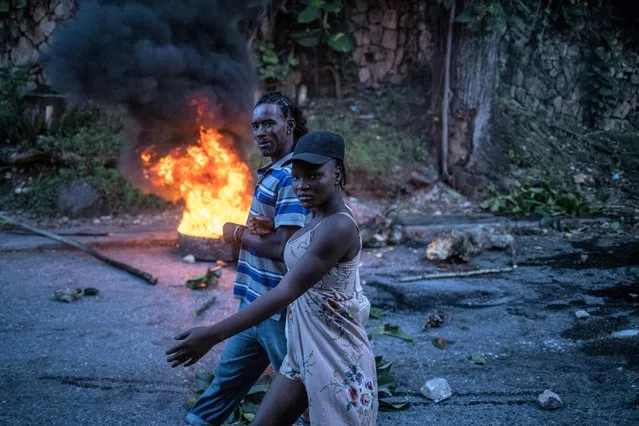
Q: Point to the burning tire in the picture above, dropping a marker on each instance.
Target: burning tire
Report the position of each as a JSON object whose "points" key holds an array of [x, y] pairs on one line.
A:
{"points": [[207, 249]]}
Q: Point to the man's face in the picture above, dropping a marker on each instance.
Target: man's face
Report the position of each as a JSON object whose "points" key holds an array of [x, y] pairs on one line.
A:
{"points": [[271, 131]]}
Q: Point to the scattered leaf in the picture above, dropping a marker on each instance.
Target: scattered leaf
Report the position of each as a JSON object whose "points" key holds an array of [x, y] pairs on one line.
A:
{"points": [[376, 313], [261, 388], [439, 342], [478, 359], [392, 406], [90, 291], [393, 330]]}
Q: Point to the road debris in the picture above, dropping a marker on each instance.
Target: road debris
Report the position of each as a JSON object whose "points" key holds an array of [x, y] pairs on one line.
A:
{"points": [[69, 295], [189, 258], [464, 244], [581, 314], [120, 265], [442, 275], [208, 280], [393, 330], [549, 400], [478, 359], [440, 342], [434, 319], [206, 305], [436, 389]]}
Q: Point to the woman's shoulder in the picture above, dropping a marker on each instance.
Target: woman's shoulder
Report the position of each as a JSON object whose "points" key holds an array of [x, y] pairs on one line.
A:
{"points": [[340, 224]]}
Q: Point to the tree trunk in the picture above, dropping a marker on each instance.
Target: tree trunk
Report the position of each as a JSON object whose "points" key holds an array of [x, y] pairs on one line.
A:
{"points": [[446, 95]]}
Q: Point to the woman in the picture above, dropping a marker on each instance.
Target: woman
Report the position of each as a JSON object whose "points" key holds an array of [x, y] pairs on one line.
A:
{"points": [[330, 366]]}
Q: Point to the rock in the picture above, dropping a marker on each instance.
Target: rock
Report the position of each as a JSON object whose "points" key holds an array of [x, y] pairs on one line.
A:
{"points": [[390, 19], [623, 334], [39, 13], [519, 78], [24, 53], [361, 5], [389, 40], [581, 314], [189, 258], [500, 241], [47, 26], [396, 235], [375, 15], [364, 75], [376, 33], [549, 400], [67, 295], [64, 9], [78, 198], [436, 389], [622, 110], [594, 301], [440, 249], [434, 319]]}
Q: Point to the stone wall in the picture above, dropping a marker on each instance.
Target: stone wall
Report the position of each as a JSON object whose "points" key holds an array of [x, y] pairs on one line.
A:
{"points": [[26, 31], [552, 84], [390, 38]]}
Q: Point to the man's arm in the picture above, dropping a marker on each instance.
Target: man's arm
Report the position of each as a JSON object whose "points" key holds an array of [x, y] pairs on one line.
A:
{"points": [[325, 251], [271, 245]]}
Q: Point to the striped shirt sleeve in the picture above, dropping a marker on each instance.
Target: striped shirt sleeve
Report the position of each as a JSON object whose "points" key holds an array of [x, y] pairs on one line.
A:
{"points": [[288, 210]]}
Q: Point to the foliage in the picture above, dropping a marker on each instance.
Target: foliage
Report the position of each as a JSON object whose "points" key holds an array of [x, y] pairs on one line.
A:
{"points": [[16, 126], [484, 16], [319, 23], [380, 129], [542, 200], [270, 67], [7, 5]]}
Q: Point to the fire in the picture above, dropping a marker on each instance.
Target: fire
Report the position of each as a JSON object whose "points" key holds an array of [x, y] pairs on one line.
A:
{"points": [[210, 177]]}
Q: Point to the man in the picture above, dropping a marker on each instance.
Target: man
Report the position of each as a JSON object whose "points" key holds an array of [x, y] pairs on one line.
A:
{"points": [[277, 124]]}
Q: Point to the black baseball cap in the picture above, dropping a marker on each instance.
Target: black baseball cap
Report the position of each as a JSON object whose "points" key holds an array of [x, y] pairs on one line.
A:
{"points": [[318, 147]]}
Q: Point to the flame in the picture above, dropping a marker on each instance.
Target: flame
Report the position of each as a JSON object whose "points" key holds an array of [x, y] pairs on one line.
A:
{"points": [[210, 177]]}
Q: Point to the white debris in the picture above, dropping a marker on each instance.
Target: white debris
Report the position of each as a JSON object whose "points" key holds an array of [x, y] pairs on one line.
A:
{"points": [[625, 333], [189, 258], [581, 314], [549, 400], [436, 389]]}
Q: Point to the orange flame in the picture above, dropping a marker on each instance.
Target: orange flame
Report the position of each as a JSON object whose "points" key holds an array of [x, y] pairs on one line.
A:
{"points": [[211, 179]]}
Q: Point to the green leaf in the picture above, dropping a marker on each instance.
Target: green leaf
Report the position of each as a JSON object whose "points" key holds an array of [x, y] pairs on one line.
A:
{"points": [[308, 15], [4, 6], [270, 57], [478, 358], [90, 291], [341, 42], [393, 330], [203, 381], [376, 313], [260, 388], [333, 6], [392, 406], [466, 16], [249, 408], [21, 4]]}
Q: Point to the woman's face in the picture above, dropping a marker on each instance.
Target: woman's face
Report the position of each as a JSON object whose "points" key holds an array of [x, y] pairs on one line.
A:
{"points": [[314, 185]]}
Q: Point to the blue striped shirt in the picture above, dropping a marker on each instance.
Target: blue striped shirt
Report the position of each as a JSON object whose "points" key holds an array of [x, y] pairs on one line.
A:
{"points": [[273, 197]]}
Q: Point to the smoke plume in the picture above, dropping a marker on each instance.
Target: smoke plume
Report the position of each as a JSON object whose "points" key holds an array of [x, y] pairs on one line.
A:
{"points": [[154, 57]]}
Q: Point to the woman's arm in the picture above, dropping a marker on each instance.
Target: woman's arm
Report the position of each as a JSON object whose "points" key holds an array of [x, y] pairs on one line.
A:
{"points": [[331, 241]]}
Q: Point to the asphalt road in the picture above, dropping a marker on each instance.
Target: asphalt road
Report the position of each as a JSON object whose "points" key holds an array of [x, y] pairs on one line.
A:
{"points": [[100, 360]]}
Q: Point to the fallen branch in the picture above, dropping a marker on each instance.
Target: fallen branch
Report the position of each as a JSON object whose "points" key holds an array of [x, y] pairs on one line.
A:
{"points": [[130, 269], [456, 274], [205, 306]]}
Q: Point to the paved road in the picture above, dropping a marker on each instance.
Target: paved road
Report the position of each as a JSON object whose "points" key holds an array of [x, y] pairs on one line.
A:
{"points": [[100, 360]]}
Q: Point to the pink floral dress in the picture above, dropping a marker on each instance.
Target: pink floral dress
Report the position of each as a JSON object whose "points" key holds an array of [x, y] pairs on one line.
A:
{"points": [[328, 348]]}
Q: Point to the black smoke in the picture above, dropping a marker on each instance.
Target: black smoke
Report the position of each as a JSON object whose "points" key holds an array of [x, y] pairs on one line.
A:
{"points": [[154, 57]]}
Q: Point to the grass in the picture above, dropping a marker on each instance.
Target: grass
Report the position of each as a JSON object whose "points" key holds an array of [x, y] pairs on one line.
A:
{"points": [[381, 132]]}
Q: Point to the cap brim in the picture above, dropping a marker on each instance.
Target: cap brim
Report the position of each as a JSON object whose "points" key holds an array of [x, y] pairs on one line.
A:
{"points": [[308, 158]]}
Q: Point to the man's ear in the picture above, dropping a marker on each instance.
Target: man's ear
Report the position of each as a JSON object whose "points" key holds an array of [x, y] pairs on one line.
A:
{"points": [[290, 125]]}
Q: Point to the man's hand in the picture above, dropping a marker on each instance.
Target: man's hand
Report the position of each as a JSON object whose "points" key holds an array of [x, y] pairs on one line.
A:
{"points": [[261, 225], [196, 343]]}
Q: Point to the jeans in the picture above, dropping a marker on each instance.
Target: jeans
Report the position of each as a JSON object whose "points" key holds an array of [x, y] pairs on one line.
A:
{"points": [[244, 358]]}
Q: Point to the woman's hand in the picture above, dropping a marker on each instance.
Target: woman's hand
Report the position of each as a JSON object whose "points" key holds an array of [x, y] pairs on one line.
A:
{"points": [[196, 343]]}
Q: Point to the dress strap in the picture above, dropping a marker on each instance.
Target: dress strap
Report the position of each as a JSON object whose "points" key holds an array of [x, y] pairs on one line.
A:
{"points": [[350, 216]]}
